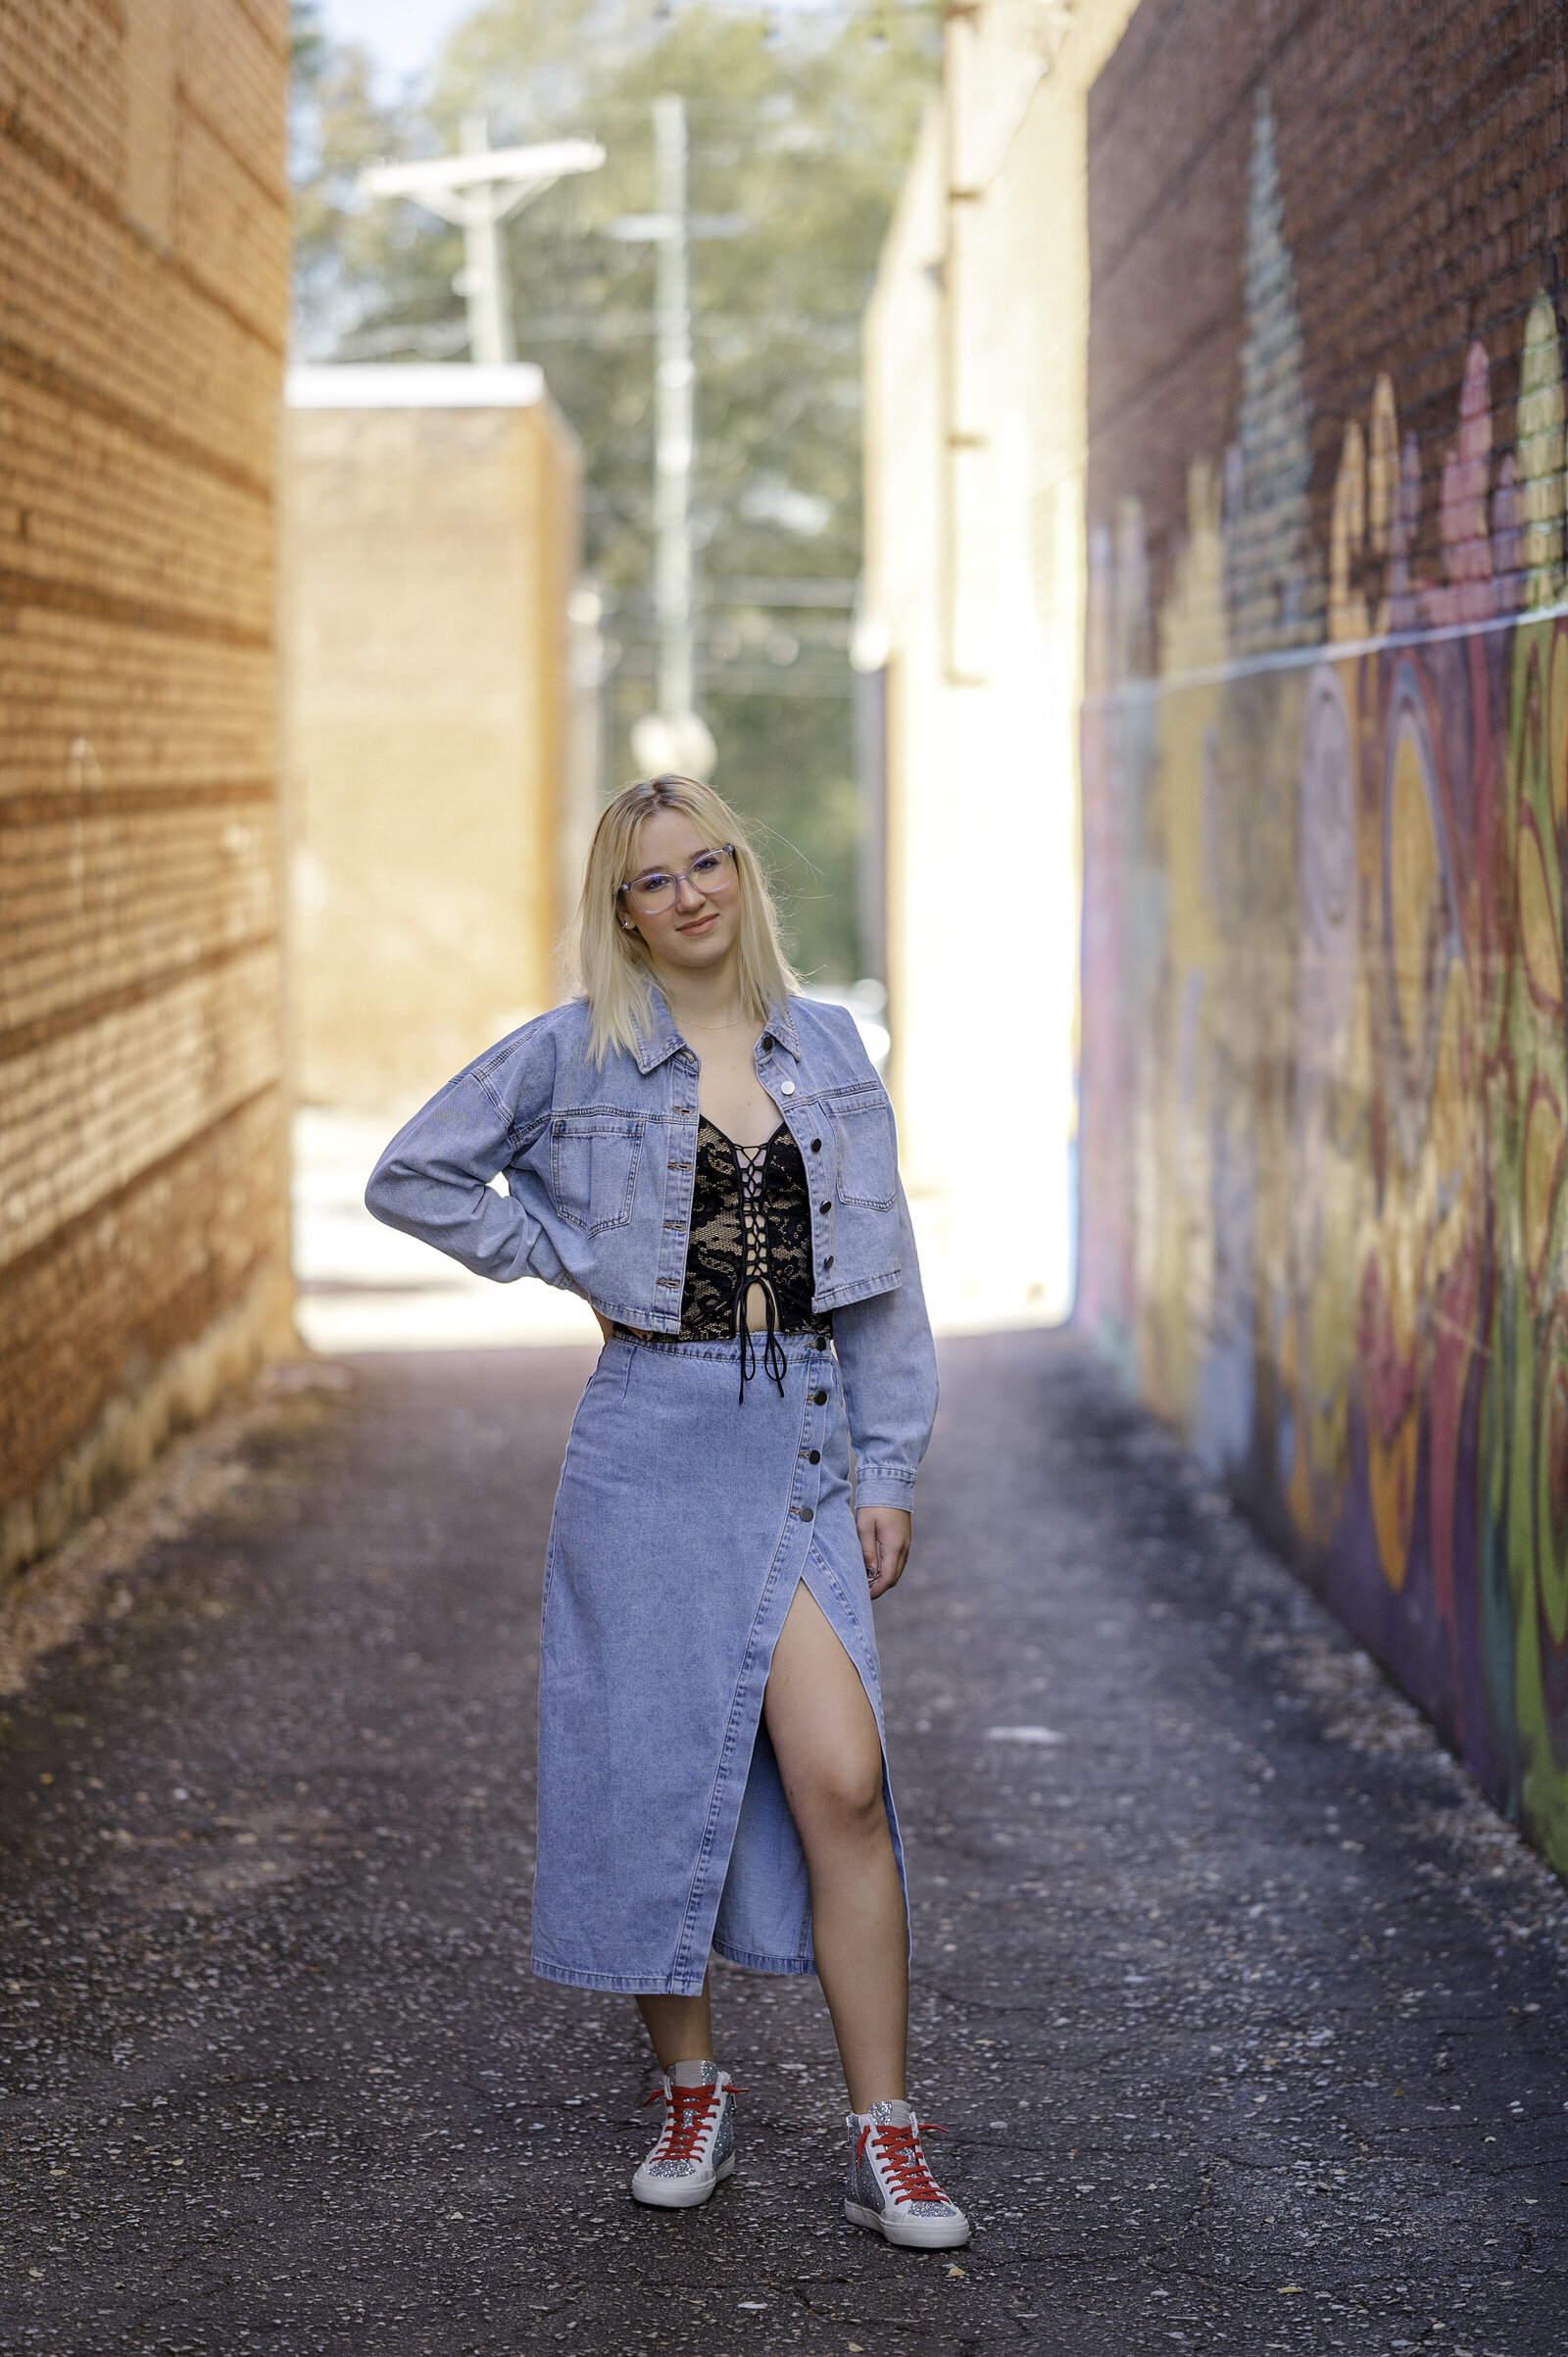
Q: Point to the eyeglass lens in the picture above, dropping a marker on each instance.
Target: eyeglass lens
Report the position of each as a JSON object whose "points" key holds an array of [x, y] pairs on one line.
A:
{"points": [[657, 890]]}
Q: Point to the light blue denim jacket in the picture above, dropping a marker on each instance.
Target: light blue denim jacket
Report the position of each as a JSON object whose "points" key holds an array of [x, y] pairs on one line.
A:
{"points": [[598, 1163]]}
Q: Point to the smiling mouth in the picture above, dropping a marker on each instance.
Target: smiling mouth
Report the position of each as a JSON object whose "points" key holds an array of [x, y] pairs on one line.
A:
{"points": [[700, 924]]}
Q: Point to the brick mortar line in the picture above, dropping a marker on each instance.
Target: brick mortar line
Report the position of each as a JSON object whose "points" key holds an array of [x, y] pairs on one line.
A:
{"points": [[277, 43], [1160, 33], [1243, 101], [1356, 198], [1300, 27], [73, 802], [1194, 346], [1436, 357], [48, 377], [25, 1039], [62, 1238], [221, 138], [1152, 384], [74, 178], [132, 613]]}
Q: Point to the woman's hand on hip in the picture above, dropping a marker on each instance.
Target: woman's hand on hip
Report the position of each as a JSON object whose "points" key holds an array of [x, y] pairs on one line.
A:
{"points": [[885, 1545]]}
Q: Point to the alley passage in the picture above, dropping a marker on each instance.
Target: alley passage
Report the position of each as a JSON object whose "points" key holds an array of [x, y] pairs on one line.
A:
{"points": [[1244, 2017]]}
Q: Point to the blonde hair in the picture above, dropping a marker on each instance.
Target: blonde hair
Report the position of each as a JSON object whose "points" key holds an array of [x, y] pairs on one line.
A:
{"points": [[611, 963]]}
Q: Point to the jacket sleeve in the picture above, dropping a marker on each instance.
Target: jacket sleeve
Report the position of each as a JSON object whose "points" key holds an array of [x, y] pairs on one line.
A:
{"points": [[433, 1179], [888, 1362]]}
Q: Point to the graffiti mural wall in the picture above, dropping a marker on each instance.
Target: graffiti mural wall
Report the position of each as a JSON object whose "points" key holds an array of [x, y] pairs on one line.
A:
{"points": [[1325, 1049]]}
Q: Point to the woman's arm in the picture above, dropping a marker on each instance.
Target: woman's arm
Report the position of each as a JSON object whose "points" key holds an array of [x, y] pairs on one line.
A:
{"points": [[888, 1362], [433, 1179]]}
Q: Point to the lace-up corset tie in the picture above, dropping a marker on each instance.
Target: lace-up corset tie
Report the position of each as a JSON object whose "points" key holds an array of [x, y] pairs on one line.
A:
{"points": [[750, 1224]]}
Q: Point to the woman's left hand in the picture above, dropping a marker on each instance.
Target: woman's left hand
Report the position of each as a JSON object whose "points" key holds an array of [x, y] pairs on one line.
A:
{"points": [[885, 1545]]}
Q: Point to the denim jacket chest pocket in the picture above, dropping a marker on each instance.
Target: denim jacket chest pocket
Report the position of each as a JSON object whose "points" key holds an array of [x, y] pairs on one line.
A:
{"points": [[867, 1166], [594, 1157]]}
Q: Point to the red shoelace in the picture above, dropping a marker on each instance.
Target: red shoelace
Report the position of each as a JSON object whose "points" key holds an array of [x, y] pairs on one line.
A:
{"points": [[685, 2119], [899, 2151]]}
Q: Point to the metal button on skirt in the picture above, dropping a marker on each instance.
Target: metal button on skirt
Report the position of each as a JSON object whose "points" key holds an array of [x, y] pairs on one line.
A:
{"points": [[684, 1522]]}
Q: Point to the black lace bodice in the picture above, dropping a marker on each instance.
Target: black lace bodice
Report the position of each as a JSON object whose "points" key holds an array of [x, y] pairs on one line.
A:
{"points": [[750, 1225]]}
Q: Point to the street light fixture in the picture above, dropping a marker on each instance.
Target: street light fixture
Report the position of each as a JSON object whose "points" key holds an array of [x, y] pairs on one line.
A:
{"points": [[478, 190]]}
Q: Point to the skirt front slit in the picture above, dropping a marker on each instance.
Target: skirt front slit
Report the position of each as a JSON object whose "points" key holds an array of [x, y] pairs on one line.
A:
{"points": [[685, 1519]]}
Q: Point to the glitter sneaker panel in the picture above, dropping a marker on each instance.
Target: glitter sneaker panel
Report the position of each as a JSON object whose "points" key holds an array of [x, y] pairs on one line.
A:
{"points": [[865, 2185], [723, 2138]]}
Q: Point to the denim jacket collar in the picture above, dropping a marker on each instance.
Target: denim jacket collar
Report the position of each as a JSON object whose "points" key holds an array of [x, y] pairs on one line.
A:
{"points": [[661, 1040], [781, 1030]]}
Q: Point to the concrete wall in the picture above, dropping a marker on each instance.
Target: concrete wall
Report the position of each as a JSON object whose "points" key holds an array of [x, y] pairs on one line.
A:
{"points": [[432, 542], [975, 358], [143, 273], [1325, 1071]]}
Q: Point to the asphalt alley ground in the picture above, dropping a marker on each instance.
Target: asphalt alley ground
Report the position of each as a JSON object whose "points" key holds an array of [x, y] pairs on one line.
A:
{"points": [[1245, 2017]]}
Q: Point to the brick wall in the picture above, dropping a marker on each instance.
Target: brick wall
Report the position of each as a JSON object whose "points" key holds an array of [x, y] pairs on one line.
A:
{"points": [[1325, 748], [432, 542], [143, 276]]}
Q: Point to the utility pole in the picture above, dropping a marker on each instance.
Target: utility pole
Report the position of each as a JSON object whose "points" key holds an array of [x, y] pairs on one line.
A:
{"points": [[478, 190], [484, 287], [674, 425], [674, 736]]}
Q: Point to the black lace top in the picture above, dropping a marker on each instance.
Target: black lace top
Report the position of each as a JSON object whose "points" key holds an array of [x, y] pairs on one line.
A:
{"points": [[750, 1225]]}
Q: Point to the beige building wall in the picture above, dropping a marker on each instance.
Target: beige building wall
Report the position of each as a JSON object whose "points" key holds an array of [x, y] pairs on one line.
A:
{"points": [[976, 346], [143, 289], [432, 530]]}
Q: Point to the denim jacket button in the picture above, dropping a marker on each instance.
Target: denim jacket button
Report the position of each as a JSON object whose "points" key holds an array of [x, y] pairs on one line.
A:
{"points": [[816, 1145], [813, 1456], [786, 1088], [806, 1515], [824, 1209], [819, 1398]]}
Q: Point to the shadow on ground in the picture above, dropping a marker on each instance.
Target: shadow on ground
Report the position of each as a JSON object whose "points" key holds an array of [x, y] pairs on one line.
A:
{"points": [[1243, 2012]]}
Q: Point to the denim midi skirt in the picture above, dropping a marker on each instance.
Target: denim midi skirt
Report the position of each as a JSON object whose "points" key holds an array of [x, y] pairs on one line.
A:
{"points": [[684, 1521]]}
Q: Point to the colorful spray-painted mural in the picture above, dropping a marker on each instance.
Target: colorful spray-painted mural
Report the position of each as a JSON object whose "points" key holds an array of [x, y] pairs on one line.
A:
{"points": [[1325, 1059]]}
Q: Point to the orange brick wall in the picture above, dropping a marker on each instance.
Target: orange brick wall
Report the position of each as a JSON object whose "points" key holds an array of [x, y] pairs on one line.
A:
{"points": [[143, 288]]}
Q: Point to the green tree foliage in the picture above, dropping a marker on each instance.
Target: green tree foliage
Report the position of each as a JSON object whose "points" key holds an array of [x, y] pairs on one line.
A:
{"points": [[800, 126]]}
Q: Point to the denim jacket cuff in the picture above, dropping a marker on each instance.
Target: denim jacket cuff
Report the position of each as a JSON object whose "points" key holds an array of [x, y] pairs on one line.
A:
{"points": [[884, 1485]]}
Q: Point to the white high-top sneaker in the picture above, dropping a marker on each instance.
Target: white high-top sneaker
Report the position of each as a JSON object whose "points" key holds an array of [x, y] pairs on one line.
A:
{"points": [[890, 2186], [696, 2147]]}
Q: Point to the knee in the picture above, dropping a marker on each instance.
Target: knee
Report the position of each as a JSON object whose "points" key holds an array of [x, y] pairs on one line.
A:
{"points": [[845, 1797]]}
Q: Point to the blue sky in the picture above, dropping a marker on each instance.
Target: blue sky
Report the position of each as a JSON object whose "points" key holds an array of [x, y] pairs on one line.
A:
{"points": [[403, 36]]}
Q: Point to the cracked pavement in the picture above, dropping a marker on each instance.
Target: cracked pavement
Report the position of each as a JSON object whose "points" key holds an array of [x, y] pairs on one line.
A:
{"points": [[1242, 2011]]}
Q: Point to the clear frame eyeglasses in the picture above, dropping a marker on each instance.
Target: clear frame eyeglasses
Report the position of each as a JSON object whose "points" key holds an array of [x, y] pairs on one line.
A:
{"points": [[712, 871]]}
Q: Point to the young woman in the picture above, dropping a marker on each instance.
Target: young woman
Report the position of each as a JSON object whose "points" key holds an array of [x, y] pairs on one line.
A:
{"points": [[709, 1161]]}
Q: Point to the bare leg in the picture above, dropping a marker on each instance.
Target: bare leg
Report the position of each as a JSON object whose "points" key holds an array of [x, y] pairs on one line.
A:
{"points": [[681, 2028], [825, 1740]]}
